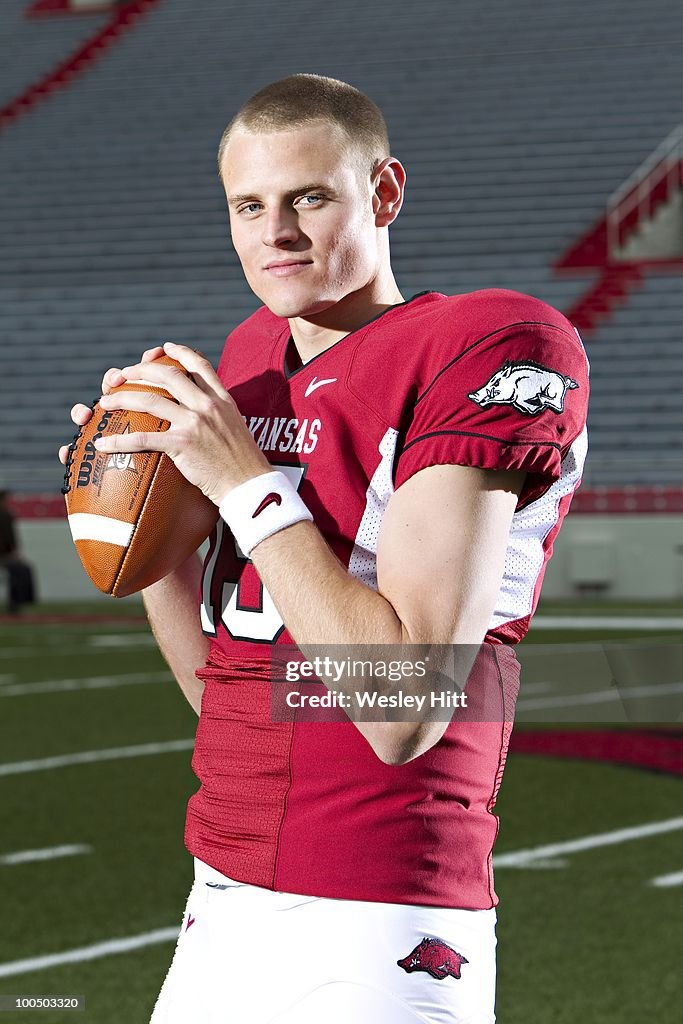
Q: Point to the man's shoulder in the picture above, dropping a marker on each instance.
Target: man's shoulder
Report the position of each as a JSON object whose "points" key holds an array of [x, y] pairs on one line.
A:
{"points": [[506, 323], [440, 328], [453, 343], [490, 309], [464, 317]]}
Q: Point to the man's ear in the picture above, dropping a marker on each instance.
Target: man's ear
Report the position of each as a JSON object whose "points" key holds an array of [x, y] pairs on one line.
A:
{"points": [[389, 178]]}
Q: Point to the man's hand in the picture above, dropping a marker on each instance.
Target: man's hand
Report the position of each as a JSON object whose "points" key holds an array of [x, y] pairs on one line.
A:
{"points": [[207, 440], [81, 414]]}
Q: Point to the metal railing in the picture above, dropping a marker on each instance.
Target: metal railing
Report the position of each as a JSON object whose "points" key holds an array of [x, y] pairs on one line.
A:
{"points": [[665, 163]]}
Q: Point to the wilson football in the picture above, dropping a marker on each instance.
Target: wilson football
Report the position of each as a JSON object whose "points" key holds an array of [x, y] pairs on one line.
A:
{"points": [[134, 518]]}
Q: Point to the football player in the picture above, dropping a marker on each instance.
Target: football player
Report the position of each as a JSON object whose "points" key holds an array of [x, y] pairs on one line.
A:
{"points": [[390, 470]]}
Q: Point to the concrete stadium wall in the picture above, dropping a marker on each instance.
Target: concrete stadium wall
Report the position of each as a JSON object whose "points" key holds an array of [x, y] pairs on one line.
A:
{"points": [[630, 557], [640, 557], [60, 576]]}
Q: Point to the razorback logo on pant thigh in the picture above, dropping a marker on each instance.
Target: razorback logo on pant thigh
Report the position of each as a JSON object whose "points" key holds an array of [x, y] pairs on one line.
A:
{"points": [[434, 957]]}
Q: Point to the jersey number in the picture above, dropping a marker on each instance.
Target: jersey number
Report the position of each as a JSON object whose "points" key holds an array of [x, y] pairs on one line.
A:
{"points": [[260, 625]]}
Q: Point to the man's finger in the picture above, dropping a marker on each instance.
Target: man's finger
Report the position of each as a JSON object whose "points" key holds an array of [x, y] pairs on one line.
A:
{"points": [[195, 363], [81, 414], [64, 454], [152, 353], [142, 401], [136, 442], [170, 378], [113, 378]]}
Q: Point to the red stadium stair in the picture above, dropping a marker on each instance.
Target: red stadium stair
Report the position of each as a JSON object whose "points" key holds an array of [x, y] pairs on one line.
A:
{"points": [[122, 19], [611, 243]]}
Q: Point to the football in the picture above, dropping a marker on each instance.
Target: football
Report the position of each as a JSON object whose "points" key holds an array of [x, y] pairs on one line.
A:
{"points": [[134, 518]]}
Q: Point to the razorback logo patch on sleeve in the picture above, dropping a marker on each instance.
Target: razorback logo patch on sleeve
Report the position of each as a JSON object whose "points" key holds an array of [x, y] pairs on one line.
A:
{"points": [[529, 387]]}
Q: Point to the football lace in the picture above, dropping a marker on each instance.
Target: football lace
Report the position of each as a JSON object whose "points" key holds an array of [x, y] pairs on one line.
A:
{"points": [[66, 487]]}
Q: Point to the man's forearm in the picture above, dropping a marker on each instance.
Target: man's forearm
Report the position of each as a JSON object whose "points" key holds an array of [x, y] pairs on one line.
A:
{"points": [[317, 598], [321, 603], [171, 606]]}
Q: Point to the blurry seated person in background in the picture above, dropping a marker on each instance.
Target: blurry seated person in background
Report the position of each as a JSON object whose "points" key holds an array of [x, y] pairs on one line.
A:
{"points": [[19, 574]]}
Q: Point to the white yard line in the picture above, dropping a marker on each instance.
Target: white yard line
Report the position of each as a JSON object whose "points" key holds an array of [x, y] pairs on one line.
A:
{"points": [[88, 683], [92, 756], [49, 853], [606, 622], [668, 881], [598, 696], [540, 687], [122, 640], [537, 864], [521, 857], [99, 949], [622, 835]]}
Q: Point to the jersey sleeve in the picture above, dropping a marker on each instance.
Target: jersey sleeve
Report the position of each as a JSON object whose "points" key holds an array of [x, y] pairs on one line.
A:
{"points": [[515, 399]]}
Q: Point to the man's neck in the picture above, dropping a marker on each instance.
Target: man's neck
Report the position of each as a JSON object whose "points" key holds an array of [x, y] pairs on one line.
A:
{"points": [[313, 335]]}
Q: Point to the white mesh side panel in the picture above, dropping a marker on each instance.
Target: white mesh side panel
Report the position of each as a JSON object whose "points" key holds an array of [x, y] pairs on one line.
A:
{"points": [[363, 561], [525, 554]]}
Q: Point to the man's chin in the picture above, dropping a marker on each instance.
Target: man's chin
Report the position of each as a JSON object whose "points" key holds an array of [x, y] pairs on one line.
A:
{"points": [[291, 308]]}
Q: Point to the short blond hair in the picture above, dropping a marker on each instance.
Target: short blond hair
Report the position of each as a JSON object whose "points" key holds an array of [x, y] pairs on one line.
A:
{"points": [[304, 98]]}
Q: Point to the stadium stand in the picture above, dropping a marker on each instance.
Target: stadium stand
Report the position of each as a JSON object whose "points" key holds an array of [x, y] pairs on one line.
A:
{"points": [[29, 49], [515, 123]]}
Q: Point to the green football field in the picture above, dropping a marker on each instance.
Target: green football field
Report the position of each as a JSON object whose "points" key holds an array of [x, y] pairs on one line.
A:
{"points": [[95, 746]]}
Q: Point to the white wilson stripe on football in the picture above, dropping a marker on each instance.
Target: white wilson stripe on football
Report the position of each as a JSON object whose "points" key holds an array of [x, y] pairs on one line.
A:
{"points": [[85, 526]]}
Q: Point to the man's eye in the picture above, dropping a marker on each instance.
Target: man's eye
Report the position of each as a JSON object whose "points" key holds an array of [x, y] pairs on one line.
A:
{"points": [[246, 208], [313, 196]]}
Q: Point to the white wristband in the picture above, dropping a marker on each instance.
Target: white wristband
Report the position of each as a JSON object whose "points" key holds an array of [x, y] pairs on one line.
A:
{"points": [[260, 507]]}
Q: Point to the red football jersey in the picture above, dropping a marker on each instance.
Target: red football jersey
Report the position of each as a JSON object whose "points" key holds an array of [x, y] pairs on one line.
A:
{"points": [[494, 379]]}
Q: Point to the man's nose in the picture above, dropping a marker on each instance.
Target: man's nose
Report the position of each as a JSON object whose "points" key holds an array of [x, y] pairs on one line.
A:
{"points": [[280, 226]]}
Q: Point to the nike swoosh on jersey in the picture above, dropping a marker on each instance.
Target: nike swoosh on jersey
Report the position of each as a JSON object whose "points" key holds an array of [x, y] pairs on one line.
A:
{"points": [[268, 500], [315, 383]]}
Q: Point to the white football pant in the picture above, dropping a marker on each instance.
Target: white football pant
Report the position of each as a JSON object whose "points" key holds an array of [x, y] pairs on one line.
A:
{"points": [[248, 955]]}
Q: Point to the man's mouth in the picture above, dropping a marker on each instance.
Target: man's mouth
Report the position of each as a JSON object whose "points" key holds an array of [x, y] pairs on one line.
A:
{"points": [[286, 268]]}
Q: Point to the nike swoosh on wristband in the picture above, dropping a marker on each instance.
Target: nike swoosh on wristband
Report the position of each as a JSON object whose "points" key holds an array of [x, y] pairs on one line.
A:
{"points": [[315, 383], [268, 500]]}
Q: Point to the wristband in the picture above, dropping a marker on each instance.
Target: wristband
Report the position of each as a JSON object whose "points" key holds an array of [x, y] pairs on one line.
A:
{"points": [[260, 507]]}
